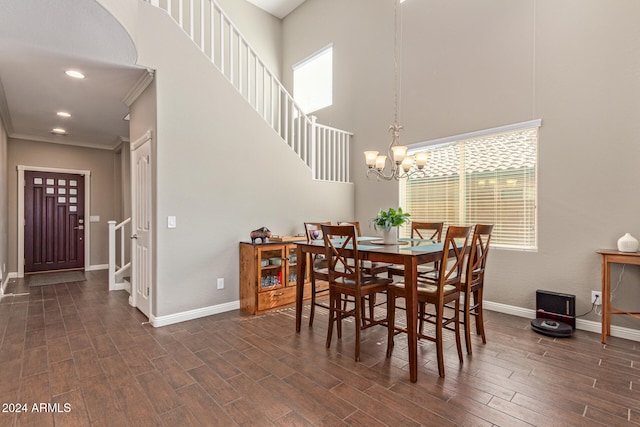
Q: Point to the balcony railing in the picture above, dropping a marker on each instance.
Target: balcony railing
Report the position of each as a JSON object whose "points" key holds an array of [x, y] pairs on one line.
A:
{"points": [[119, 256], [324, 149]]}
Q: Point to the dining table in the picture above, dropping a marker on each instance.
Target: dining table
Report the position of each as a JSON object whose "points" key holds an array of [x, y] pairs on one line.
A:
{"points": [[407, 252]]}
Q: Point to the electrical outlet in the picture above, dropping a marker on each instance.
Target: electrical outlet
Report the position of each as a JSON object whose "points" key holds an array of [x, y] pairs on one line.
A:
{"points": [[221, 283], [598, 295]]}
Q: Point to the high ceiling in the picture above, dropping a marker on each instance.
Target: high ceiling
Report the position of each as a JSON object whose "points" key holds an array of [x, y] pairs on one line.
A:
{"points": [[39, 40], [278, 8]]}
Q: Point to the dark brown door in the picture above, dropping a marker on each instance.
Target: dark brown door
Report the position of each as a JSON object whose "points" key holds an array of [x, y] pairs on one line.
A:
{"points": [[54, 221]]}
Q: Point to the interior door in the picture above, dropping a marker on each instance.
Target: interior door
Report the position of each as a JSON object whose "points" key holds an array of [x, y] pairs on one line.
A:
{"points": [[141, 225], [54, 221]]}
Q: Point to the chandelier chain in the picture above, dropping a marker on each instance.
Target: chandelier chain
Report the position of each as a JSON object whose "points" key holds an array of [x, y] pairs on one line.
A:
{"points": [[401, 164]]}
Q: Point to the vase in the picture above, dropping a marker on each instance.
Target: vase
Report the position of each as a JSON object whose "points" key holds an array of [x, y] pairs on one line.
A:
{"points": [[390, 236], [627, 243]]}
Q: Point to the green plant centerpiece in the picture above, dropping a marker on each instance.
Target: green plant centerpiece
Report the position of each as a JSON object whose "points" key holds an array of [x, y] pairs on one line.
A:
{"points": [[388, 221]]}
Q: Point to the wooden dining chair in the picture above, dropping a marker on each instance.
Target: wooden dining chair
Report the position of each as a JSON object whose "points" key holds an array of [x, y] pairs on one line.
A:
{"points": [[444, 289], [371, 268], [473, 283], [318, 270], [347, 279], [421, 230]]}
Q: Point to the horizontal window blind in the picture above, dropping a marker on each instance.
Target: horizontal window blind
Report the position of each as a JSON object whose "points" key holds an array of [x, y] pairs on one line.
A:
{"points": [[489, 179]]}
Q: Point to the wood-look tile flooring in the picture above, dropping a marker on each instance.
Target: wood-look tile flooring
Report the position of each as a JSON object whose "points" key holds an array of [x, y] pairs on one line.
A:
{"points": [[84, 349]]}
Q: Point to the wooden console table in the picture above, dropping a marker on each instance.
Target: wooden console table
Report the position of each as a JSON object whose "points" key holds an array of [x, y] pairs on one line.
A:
{"points": [[611, 256]]}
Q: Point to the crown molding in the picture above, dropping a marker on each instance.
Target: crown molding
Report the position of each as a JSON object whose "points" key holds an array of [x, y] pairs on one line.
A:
{"points": [[5, 116], [66, 141], [138, 87]]}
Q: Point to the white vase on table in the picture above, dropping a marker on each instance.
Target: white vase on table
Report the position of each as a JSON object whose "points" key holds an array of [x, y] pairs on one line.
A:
{"points": [[628, 243], [390, 236]]}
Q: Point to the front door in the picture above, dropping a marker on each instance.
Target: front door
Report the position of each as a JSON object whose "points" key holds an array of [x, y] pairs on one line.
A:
{"points": [[54, 221], [141, 224]]}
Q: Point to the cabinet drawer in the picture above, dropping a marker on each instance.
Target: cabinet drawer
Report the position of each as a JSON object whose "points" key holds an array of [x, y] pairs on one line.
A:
{"points": [[278, 297], [269, 300]]}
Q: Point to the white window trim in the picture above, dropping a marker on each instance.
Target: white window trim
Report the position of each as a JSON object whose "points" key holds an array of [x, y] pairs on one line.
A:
{"points": [[413, 148], [312, 56], [419, 146]]}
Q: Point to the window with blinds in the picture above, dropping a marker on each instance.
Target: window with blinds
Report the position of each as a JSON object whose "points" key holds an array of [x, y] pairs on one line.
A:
{"points": [[488, 179]]}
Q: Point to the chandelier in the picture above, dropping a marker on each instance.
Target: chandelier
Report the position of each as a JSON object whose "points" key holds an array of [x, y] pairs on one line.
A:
{"points": [[396, 164]]}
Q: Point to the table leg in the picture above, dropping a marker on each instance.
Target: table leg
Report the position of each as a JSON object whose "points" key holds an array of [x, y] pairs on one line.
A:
{"points": [[301, 267], [606, 298], [411, 298]]}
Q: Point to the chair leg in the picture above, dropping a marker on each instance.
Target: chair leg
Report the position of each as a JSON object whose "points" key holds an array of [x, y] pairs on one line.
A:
{"points": [[467, 321], [422, 308], [479, 317], [359, 307], [372, 304], [439, 331], [332, 314], [338, 304], [363, 317], [457, 330], [391, 318], [312, 311]]}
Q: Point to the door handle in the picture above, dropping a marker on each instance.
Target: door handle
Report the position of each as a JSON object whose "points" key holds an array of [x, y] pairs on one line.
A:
{"points": [[80, 227], [134, 236]]}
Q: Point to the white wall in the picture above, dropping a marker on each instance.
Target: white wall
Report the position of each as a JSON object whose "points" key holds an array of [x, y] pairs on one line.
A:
{"points": [[4, 209], [469, 65], [262, 30], [219, 169]]}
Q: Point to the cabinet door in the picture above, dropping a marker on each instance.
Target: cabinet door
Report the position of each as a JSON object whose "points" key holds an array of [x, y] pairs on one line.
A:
{"points": [[272, 263], [292, 262]]}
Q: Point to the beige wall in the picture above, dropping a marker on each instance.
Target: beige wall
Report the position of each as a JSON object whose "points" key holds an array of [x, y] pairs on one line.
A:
{"points": [[103, 181], [218, 168], [4, 210], [469, 65], [262, 30]]}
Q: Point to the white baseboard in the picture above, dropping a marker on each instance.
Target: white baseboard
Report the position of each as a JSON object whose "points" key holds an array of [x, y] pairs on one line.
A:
{"points": [[98, 267], [584, 325], [193, 314], [124, 286]]}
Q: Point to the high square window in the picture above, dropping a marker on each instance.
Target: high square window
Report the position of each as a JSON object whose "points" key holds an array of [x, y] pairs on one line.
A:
{"points": [[313, 81]]}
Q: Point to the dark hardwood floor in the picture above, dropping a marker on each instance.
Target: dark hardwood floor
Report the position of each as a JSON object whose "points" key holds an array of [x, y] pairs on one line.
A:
{"points": [[84, 357]]}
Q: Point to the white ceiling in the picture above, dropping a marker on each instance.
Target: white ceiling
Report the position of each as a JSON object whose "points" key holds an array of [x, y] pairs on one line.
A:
{"points": [[39, 40], [278, 8]]}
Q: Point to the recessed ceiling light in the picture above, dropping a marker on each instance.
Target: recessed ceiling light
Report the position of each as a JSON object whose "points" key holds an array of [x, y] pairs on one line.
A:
{"points": [[58, 131], [63, 114], [75, 74]]}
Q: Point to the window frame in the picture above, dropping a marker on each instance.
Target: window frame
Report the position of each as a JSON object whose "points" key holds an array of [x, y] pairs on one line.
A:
{"points": [[462, 207]]}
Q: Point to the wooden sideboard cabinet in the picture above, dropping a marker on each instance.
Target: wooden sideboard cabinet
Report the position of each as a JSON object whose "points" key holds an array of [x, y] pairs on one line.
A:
{"points": [[268, 276]]}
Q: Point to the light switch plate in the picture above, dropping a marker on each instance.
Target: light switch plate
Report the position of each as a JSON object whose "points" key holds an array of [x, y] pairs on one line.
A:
{"points": [[171, 222], [94, 218]]}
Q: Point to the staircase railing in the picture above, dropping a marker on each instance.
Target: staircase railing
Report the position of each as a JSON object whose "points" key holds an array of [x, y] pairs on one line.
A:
{"points": [[324, 149], [116, 271]]}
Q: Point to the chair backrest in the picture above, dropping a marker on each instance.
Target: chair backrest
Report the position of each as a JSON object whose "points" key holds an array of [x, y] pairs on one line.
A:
{"points": [[427, 230], [313, 230], [478, 254], [457, 239], [356, 224], [338, 239]]}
